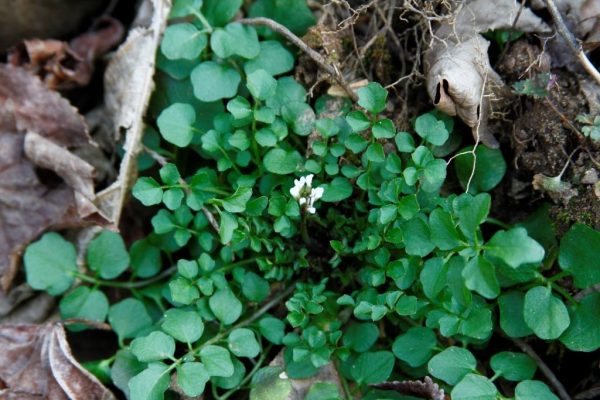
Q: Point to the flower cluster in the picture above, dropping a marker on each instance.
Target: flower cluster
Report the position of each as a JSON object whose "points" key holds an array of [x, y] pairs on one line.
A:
{"points": [[305, 194]]}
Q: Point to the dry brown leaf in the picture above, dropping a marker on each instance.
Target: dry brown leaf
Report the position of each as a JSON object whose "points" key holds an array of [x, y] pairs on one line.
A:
{"points": [[36, 363], [128, 86], [37, 126], [460, 79], [64, 65], [426, 389]]}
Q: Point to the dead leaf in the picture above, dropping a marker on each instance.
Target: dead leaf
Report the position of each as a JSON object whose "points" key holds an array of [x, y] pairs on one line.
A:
{"points": [[128, 87], [64, 65], [426, 389], [460, 79], [27, 206], [36, 363]]}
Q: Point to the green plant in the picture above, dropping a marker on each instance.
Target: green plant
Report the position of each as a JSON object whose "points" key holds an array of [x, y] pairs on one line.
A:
{"points": [[324, 208], [591, 126]]}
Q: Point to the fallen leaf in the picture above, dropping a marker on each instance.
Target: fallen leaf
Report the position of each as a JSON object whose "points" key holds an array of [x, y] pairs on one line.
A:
{"points": [[64, 65], [426, 389], [36, 363], [460, 79], [37, 126], [128, 86]]}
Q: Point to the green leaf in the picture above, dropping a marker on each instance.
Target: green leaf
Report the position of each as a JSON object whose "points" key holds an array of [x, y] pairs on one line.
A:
{"points": [[584, 332], [474, 387], [261, 85], [226, 307], [288, 91], [106, 254], [242, 342], [240, 108], [480, 276], [383, 129], [236, 203], [337, 190], [323, 391], [443, 230], [226, 227], [472, 212], [415, 347], [372, 97], [405, 142], [300, 116], [187, 268], [272, 329], [452, 364], [119, 317], [356, 143], [373, 367], [265, 137], [282, 162], [545, 313], [217, 361], [125, 367], [489, 168], [235, 39], [267, 385], [50, 263], [512, 320], [233, 381], [84, 303], [185, 326], [293, 14], [434, 175], [579, 255], [361, 336], [219, 12], [154, 347], [183, 291], [254, 287], [514, 248], [183, 41], [417, 238], [513, 366], [375, 152], [533, 390], [147, 191], [183, 8], [212, 81], [273, 58], [358, 121], [150, 384], [176, 124], [431, 129], [433, 276], [192, 377]]}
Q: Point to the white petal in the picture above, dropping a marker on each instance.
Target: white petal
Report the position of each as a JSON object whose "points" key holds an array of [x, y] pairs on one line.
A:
{"points": [[317, 193], [283, 375], [309, 179], [295, 192], [302, 200], [311, 210]]}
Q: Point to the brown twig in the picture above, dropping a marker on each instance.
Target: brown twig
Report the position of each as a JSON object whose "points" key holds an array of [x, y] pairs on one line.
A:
{"points": [[162, 161], [572, 42], [318, 58], [558, 386]]}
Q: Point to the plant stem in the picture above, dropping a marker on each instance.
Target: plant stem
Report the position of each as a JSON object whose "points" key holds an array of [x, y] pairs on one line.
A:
{"points": [[126, 285], [564, 293], [258, 364]]}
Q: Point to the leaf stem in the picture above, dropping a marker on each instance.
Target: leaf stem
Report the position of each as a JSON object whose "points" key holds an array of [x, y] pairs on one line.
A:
{"points": [[125, 285]]}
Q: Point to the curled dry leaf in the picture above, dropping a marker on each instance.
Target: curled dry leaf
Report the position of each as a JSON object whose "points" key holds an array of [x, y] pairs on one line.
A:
{"points": [[426, 389], [37, 126], [460, 79], [36, 363], [64, 65], [128, 86]]}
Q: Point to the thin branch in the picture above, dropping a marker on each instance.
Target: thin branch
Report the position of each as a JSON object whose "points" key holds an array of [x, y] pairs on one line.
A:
{"points": [[318, 58], [572, 42], [560, 389]]}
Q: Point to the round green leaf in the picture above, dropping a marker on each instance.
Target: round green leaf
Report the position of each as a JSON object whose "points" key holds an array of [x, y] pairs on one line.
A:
{"points": [[185, 326], [154, 347], [545, 313], [480, 276], [242, 342], [226, 307], [192, 377], [415, 346], [272, 329], [150, 384], [235, 39], [145, 258], [175, 124], [300, 116], [361, 336], [584, 332], [373, 367], [337, 190], [121, 321], [452, 364], [183, 41], [282, 162], [217, 361], [512, 320], [84, 303], [513, 366], [212, 81], [579, 255], [147, 191], [50, 263], [533, 390], [239, 372], [515, 248], [255, 288], [431, 129], [489, 168], [106, 254], [273, 58], [183, 8], [474, 387], [372, 97]]}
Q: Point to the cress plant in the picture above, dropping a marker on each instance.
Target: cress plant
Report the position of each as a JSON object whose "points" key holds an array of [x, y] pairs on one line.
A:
{"points": [[269, 198]]}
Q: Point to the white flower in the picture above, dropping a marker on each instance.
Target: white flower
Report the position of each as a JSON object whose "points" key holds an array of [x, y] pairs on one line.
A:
{"points": [[305, 194], [283, 375]]}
